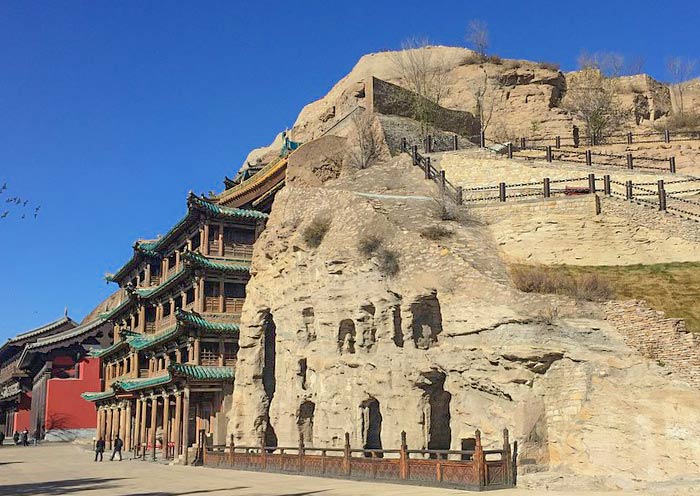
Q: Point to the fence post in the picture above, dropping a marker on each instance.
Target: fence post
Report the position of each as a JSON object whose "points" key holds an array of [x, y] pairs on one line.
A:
{"points": [[429, 144], [506, 458], [594, 140], [455, 142], [443, 180], [549, 153], [460, 196], [301, 453], [403, 457], [479, 460], [630, 162], [628, 190], [263, 454], [502, 192], [662, 195], [426, 164], [522, 143], [591, 183], [557, 142], [232, 448], [629, 138], [667, 136], [404, 145], [510, 150], [606, 184], [482, 139], [672, 164], [346, 454], [546, 191], [414, 153], [589, 158]]}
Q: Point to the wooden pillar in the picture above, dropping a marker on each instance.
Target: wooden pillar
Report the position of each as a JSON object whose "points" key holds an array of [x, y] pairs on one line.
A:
{"points": [[177, 427], [166, 421], [479, 460], [137, 426], [221, 240], [221, 352], [222, 299], [200, 302], [195, 350], [154, 420], [115, 421], [147, 274], [403, 457], [205, 240], [108, 428], [122, 423], [142, 435], [347, 454], [186, 423], [127, 429], [142, 319], [100, 423]]}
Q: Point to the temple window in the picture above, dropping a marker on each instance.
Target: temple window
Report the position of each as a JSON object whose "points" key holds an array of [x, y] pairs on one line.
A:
{"points": [[211, 296], [196, 242], [213, 239], [230, 352], [177, 302], [155, 274], [166, 309], [172, 264], [209, 353], [142, 277], [234, 296], [189, 297], [150, 319], [238, 242]]}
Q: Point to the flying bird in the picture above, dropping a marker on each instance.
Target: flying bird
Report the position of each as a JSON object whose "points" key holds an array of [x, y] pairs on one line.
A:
{"points": [[25, 203], [23, 216], [4, 187], [5, 214], [36, 211]]}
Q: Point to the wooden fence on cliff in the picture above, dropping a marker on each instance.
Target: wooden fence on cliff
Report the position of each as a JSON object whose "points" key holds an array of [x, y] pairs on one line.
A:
{"points": [[476, 469]]}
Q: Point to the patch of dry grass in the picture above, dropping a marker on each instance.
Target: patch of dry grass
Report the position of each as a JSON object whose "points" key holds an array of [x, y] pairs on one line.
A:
{"points": [[314, 233], [673, 288]]}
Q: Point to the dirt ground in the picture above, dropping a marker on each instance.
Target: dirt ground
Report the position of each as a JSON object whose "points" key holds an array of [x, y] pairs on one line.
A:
{"points": [[63, 469]]}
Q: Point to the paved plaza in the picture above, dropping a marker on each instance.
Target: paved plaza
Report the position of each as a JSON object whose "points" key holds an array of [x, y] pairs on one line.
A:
{"points": [[66, 469]]}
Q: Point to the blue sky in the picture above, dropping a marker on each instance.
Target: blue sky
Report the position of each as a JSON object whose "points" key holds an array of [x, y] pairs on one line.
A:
{"points": [[110, 112]]}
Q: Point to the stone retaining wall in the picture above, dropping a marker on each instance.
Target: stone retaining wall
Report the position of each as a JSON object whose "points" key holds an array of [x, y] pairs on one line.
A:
{"points": [[657, 337]]}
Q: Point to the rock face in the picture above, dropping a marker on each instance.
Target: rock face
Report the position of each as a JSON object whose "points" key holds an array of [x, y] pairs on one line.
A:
{"points": [[330, 343]]}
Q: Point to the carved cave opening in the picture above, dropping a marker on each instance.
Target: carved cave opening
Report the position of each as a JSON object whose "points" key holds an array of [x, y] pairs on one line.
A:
{"points": [[371, 425], [369, 330], [269, 378], [309, 321], [468, 444], [346, 336], [398, 332], [305, 422], [426, 322], [301, 373], [436, 411]]}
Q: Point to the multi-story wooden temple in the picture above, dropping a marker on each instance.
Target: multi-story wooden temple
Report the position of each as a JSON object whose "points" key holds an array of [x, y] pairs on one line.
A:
{"points": [[169, 372], [43, 372]]}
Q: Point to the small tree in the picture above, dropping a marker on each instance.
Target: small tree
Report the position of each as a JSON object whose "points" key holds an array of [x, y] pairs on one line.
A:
{"points": [[592, 98], [424, 73], [478, 37], [485, 103], [365, 147], [680, 70]]}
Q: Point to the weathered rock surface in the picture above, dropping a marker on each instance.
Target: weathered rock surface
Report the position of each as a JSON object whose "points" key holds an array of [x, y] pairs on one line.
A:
{"points": [[329, 344]]}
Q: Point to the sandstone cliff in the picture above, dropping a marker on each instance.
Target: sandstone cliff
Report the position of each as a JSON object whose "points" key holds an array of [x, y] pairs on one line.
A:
{"points": [[330, 344]]}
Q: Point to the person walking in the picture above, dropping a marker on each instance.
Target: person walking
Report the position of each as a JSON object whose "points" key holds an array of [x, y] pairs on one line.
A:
{"points": [[15, 438], [117, 448], [2, 437], [99, 448], [37, 436], [25, 437]]}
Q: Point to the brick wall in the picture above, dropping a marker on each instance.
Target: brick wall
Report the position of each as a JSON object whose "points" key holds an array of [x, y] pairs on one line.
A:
{"points": [[656, 337]]}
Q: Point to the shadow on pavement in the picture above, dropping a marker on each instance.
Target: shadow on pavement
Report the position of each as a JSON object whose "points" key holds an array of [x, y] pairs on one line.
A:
{"points": [[55, 487], [9, 463], [196, 491]]}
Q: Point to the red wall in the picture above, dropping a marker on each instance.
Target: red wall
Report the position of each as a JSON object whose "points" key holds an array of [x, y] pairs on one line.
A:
{"points": [[65, 409], [22, 415]]}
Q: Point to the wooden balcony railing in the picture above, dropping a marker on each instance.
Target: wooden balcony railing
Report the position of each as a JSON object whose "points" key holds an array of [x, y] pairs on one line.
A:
{"points": [[238, 251]]}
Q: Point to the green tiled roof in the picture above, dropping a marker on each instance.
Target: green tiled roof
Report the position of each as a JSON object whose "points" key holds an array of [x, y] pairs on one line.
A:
{"points": [[129, 385], [194, 320], [199, 260], [218, 210], [195, 204], [96, 396], [148, 292], [201, 372]]}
